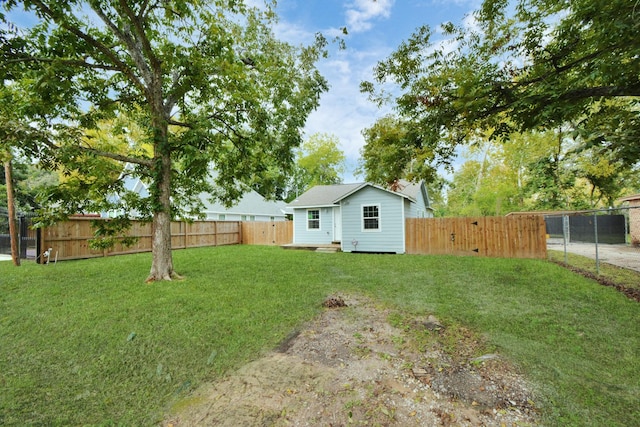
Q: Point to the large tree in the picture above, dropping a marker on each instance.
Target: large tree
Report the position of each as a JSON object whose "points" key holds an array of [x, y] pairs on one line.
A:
{"points": [[518, 66], [208, 82], [319, 161], [390, 153]]}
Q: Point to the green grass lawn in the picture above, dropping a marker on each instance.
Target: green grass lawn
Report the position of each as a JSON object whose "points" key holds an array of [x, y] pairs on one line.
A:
{"points": [[618, 275], [88, 343]]}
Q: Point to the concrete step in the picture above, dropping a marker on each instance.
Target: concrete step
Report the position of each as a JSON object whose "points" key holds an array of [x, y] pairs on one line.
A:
{"points": [[328, 250]]}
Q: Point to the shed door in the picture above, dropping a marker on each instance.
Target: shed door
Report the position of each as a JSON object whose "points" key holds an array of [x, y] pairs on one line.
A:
{"points": [[337, 224]]}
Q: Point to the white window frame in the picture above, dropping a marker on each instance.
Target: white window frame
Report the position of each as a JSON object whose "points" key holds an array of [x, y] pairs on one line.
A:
{"points": [[379, 217], [319, 217]]}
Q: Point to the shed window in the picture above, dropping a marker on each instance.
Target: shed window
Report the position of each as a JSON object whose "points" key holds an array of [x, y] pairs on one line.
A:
{"points": [[313, 219], [371, 217]]}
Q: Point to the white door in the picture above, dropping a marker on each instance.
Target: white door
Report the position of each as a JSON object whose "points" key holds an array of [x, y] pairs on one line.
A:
{"points": [[337, 224]]}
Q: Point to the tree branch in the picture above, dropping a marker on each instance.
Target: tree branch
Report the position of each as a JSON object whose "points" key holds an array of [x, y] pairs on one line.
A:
{"points": [[120, 66], [101, 153], [557, 70], [141, 36], [181, 124], [118, 157], [601, 91], [73, 62], [134, 51]]}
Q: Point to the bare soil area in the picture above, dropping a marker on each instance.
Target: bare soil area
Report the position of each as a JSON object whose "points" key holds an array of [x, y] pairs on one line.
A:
{"points": [[362, 364]]}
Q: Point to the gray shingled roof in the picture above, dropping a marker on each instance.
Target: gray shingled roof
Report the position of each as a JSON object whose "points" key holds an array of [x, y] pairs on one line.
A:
{"points": [[324, 195], [408, 189], [329, 195]]}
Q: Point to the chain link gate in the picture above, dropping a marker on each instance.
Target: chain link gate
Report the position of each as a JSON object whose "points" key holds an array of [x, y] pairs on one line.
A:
{"points": [[605, 235], [28, 237]]}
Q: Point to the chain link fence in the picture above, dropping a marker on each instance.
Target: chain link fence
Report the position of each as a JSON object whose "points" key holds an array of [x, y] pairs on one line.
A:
{"points": [[27, 243], [603, 235]]}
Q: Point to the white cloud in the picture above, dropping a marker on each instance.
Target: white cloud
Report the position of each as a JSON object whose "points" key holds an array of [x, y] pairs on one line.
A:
{"points": [[361, 13], [344, 111]]}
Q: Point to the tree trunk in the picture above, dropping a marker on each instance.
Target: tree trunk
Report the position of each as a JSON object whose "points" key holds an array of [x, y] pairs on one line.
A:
{"points": [[13, 229], [162, 261]]}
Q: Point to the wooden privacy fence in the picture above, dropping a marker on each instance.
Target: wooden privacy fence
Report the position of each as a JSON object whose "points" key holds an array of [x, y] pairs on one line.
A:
{"points": [[507, 237], [70, 239]]}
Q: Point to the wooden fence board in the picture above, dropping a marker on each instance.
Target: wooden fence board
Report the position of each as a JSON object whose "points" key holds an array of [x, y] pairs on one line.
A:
{"points": [[508, 237], [70, 239], [267, 233]]}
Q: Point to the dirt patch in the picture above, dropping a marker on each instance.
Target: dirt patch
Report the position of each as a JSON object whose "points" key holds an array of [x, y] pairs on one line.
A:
{"points": [[359, 364]]}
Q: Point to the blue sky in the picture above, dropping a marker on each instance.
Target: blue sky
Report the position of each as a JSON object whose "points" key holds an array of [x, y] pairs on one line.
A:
{"points": [[376, 28]]}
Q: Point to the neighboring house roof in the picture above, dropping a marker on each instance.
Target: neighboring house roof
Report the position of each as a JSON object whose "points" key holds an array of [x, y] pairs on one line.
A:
{"points": [[412, 190], [136, 185], [251, 203], [330, 195], [542, 213], [629, 198]]}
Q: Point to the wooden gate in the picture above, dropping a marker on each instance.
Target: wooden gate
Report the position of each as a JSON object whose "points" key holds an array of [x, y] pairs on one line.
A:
{"points": [[506, 237], [267, 233]]}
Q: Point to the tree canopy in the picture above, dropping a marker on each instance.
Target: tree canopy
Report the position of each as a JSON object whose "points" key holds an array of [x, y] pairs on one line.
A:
{"points": [[390, 153], [521, 66], [535, 171], [207, 82], [319, 161]]}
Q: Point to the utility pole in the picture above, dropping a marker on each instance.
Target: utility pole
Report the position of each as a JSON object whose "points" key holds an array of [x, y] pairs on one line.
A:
{"points": [[13, 230]]}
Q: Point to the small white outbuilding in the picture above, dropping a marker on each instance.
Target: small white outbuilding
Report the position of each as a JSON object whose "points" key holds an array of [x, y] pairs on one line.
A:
{"points": [[361, 217]]}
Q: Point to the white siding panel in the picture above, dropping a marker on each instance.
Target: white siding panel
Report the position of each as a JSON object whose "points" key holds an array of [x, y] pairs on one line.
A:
{"points": [[420, 206], [322, 236], [410, 209], [389, 238]]}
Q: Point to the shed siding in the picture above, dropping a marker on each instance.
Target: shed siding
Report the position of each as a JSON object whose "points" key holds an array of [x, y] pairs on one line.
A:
{"points": [[410, 209], [390, 237], [322, 236], [419, 208]]}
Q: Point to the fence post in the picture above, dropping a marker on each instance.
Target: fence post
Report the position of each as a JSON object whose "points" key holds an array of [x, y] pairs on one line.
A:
{"points": [[627, 216], [595, 230], [565, 234], [23, 236], [186, 234], [39, 244]]}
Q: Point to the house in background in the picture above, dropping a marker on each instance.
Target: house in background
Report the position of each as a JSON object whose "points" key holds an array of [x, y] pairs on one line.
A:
{"points": [[634, 217], [360, 217], [251, 206]]}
